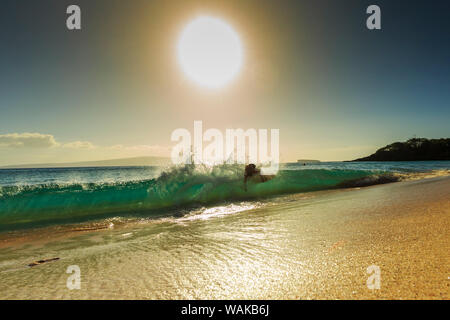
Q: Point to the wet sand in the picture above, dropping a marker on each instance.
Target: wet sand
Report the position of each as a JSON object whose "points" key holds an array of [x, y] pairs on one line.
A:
{"points": [[404, 230], [310, 246]]}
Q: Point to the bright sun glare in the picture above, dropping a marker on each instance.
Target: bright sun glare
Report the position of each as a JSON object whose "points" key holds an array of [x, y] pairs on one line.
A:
{"points": [[210, 52]]}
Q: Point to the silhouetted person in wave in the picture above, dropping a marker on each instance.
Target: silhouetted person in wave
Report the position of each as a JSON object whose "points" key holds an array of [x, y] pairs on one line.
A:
{"points": [[251, 171]]}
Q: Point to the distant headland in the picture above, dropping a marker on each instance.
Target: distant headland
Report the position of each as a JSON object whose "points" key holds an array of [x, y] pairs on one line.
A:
{"points": [[416, 149], [123, 162]]}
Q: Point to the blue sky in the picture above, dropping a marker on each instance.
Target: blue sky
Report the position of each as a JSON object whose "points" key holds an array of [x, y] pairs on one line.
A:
{"points": [[335, 89]]}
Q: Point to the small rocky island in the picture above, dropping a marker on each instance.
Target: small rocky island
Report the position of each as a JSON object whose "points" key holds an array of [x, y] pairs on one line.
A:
{"points": [[416, 149], [308, 161]]}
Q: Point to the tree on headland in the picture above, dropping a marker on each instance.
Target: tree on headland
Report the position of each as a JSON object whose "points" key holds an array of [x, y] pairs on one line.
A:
{"points": [[415, 149]]}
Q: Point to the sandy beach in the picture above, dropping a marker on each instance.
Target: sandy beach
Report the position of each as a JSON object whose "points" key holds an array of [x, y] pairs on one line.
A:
{"points": [[307, 246], [403, 229]]}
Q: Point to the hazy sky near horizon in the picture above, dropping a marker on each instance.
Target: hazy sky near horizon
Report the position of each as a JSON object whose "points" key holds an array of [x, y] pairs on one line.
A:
{"points": [[312, 69]]}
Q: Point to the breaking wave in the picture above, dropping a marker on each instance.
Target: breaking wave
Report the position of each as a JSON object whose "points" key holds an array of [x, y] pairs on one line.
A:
{"points": [[177, 188]]}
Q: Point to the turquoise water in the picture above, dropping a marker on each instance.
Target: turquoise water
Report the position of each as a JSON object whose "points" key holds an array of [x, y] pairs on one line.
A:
{"points": [[41, 197], [194, 233]]}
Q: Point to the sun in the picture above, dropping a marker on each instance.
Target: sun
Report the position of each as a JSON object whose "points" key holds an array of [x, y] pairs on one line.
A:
{"points": [[210, 52]]}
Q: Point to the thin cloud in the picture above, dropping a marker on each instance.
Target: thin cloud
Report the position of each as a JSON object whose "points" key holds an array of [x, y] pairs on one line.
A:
{"points": [[28, 140], [28, 147]]}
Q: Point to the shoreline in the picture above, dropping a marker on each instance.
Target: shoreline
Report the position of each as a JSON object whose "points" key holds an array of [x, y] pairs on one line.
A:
{"points": [[317, 246], [8, 236]]}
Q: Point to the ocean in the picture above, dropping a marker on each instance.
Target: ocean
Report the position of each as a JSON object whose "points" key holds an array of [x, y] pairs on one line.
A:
{"points": [[31, 198], [195, 233]]}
